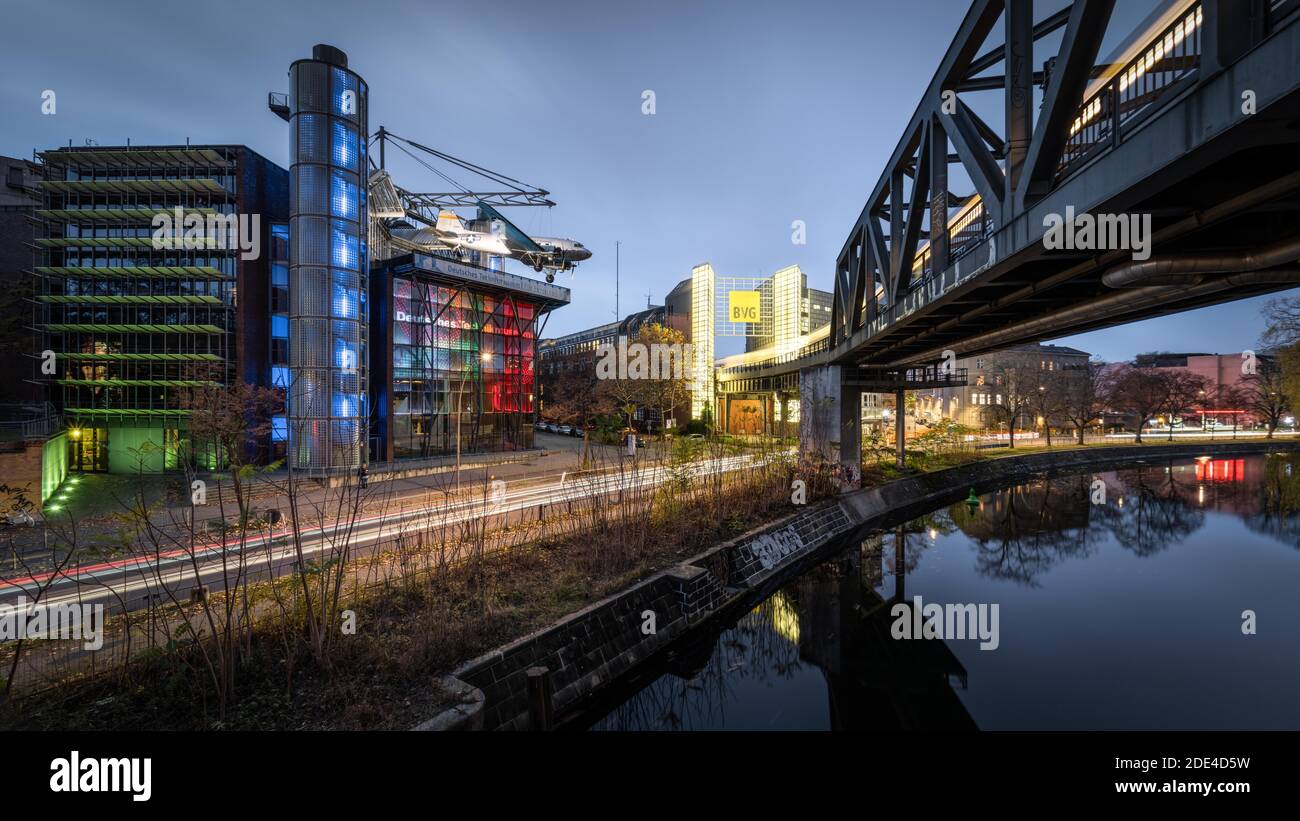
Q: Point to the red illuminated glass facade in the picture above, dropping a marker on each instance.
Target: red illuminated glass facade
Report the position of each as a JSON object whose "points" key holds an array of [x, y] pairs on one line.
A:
{"points": [[463, 366]]}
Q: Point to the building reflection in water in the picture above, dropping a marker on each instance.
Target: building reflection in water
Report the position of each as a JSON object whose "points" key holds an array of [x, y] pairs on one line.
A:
{"points": [[825, 636], [819, 654], [877, 682]]}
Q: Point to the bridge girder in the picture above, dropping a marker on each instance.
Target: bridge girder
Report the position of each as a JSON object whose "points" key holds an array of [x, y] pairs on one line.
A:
{"points": [[1189, 125]]}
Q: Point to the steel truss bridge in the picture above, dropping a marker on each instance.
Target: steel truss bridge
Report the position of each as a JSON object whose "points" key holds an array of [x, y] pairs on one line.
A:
{"points": [[1197, 124]]}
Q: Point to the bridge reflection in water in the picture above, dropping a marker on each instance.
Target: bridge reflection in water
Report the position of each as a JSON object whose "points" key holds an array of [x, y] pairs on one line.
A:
{"points": [[1116, 612]]}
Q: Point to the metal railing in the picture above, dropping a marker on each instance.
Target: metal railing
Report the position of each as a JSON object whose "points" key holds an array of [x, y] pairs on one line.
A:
{"points": [[811, 349], [933, 375], [1167, 59], [28, 421]]}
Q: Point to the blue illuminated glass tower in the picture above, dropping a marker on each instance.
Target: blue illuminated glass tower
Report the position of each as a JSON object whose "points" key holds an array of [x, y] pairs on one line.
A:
{"points": [[328, 263]]}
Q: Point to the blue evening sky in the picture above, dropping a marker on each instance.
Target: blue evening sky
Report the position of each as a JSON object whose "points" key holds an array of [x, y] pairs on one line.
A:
{"points": [[767, 112]]}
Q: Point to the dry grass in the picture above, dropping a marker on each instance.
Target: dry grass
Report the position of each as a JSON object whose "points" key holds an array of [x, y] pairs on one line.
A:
{"points": [[440, 593]]}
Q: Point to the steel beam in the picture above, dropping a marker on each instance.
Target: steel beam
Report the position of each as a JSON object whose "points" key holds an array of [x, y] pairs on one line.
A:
{"points": [[976, 159], [1064, 95], [938, 196], [997, 55], [1019, 105]]}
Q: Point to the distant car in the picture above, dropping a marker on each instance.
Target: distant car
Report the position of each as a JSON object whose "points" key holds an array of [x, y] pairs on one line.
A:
{"points": [[551, 427], [576, 430], [696, 436], [539, 426], [564, 430]]}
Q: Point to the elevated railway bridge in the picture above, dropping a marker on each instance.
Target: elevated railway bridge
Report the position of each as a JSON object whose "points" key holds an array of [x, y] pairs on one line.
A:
{"points": [[1192, 128]]}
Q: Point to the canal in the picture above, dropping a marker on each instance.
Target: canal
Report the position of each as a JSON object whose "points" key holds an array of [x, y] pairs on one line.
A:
{"points": [[1121, 600]]}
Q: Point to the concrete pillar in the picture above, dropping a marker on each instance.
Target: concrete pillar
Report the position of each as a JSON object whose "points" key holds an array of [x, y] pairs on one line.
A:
{"points": [[900, 427], [830, 420], [851, 437]]}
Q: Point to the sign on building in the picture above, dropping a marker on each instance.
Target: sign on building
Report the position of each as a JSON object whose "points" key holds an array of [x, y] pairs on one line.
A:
{"points": [[744, 306]]}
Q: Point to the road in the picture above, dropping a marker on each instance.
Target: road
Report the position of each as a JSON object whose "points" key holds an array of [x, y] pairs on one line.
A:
{"points": [[131, 581]]}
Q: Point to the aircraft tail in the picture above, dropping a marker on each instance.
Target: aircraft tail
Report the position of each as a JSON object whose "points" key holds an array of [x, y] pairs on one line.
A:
{"points": [[448, 221]]}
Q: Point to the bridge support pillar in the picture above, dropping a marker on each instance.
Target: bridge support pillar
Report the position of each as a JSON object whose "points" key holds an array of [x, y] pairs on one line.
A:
{"points": [[900, 428], [830, 421]]}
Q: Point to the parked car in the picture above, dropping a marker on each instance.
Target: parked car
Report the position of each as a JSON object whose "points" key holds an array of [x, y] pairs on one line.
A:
{"points": [[564, 430]]}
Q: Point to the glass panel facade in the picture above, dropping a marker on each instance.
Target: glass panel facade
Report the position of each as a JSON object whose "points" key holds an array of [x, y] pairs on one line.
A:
{"points": [[463, 365], [136, 317], [327, 408]]}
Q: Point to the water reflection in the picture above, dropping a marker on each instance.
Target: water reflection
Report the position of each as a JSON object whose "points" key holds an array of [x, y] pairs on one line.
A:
{"points": [[825, 637], [1120, 590]]}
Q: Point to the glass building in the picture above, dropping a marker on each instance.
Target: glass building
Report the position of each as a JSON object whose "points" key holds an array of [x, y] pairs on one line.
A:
{"points": [[328, 225], [151, 279], [417, 356], [462, 347]]}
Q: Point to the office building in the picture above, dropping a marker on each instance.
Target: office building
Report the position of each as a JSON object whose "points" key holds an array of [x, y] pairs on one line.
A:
{"points": [[139, 299]]}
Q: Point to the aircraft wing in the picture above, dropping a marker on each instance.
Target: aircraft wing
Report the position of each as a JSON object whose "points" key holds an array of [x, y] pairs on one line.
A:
{"points": [[515, 238]]}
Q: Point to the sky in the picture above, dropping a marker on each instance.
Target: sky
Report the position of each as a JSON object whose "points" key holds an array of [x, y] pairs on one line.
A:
{"points": [[765, 113]]}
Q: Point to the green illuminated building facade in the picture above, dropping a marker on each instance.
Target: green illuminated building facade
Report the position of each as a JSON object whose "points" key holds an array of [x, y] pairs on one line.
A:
{"points": [[153, 272]]}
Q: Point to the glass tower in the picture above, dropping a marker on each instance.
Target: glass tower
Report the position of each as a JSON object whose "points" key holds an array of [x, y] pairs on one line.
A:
{"points": [[328, 263], [702, 330]]}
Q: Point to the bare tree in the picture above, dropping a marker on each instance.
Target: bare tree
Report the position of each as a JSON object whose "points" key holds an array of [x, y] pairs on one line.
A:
{"points": [[1085, 392], [1013, 388], [569, 387], [1264, 393], [1183, 393], [1048, 400], [1282, 316], [1139, 392]]}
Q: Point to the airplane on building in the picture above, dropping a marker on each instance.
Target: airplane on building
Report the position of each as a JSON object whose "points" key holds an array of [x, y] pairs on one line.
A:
{"points": [[493, 234]]}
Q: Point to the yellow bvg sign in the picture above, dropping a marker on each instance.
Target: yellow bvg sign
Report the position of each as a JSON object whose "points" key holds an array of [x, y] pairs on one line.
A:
{"points": [[742, 306]]}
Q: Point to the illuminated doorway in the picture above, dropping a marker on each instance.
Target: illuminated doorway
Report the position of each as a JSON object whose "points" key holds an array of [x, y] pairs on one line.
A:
{"points": [[88, 450]]}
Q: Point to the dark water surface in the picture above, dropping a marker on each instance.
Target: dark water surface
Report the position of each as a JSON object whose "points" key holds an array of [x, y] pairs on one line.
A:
{"points": [[1122, 612]]}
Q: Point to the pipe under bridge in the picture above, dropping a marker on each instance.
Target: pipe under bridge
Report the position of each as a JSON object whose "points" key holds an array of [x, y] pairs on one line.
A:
{"points": [[1184, 146]]}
